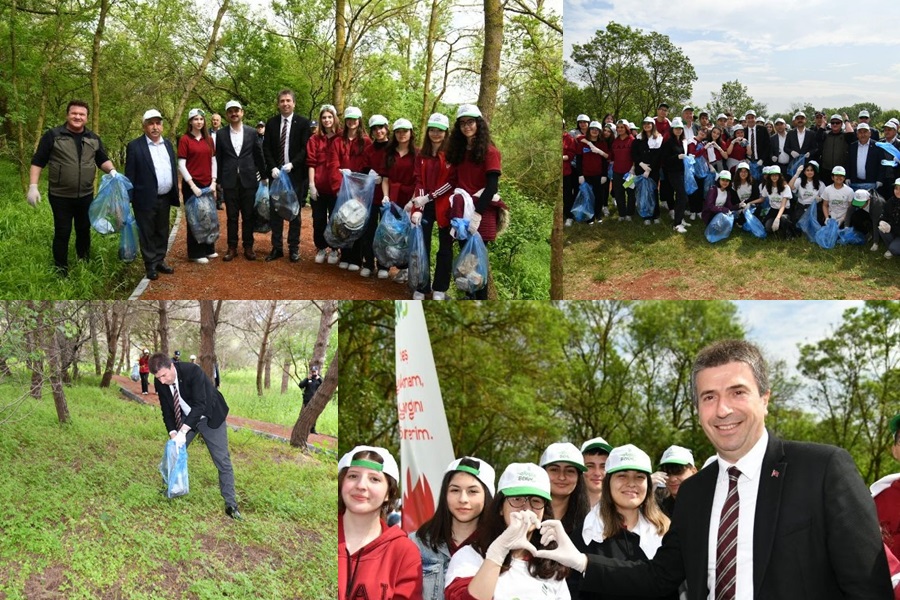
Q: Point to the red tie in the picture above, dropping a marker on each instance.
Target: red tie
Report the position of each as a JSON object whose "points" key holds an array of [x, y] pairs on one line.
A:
{"points": [[284, 124], [726, 548], [176, 400]]}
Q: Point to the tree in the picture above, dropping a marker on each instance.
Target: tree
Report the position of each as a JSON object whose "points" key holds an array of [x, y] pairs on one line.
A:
{"points": [[308, 415], [490, 58], [115, 318], [734, 98], [209, 321], [328, 320]]}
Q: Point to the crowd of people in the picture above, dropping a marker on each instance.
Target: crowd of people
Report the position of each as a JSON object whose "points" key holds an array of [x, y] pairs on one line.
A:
{"points": [[230, 163], [763, 518], [775, 170]]}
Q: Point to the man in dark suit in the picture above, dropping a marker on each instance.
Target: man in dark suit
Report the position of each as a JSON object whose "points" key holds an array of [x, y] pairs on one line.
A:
{"points": [[190, 404], [309, 386], [800, 140], [768, 519], [150, 165], [285, 152], [240, 166], [863, 172], [758, 140]]}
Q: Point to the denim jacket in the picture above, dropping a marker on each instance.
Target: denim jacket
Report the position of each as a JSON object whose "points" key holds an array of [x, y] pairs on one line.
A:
{"points": [[434, 567]]}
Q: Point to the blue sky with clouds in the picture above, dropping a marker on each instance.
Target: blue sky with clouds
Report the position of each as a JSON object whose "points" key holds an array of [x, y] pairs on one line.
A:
{"points": [[824, 52]]}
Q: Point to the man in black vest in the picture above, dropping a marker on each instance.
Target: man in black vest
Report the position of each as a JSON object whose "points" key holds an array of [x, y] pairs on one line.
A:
{"points": [[309, 386]]}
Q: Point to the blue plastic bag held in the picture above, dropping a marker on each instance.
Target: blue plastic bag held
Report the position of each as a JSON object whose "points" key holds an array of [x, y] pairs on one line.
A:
{"points": [[461, 226], [391, 243], [284, 198], [128, 246], [795, 164], [755, 171], [135, 372], [417, 266], [719, 227], [690, 184], [809, 223], [827, 236], [644, 187], [849, 236], [202, 216], [261, 202], [111, 206], [701, 167], [174, 470], [470, 269], [754, 225], [351, 209], [583, 209]]}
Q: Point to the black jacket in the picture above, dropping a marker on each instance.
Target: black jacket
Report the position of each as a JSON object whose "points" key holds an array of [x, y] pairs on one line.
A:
{"points": [[625, 546], [873, 163], [309, 387], [296, 143], [198, 391], [140, 171], [233, 168]]}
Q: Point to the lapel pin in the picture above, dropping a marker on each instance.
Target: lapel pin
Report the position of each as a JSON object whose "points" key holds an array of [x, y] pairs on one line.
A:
{"points": [[775, 473]]}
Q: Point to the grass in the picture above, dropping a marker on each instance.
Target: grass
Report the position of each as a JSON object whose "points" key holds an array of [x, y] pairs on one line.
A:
{"points": [[633, 261], [81, 514]]}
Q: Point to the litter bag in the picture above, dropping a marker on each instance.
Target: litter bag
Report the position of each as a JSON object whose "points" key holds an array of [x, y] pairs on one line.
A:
{"points": [[701, 167], [755, 171], [690, 184], [808, 223], [644, 187], [417, 266], [391, 243], [754, 225], [135, 372], [111, 206], [827, 236], [470, 269], [202, 217], [719, 227], [284, 198], [795, 164], [849, 236], [461, 227], [261, 203], [351, 209], [583, 209], [128, 245], [174, 470]]}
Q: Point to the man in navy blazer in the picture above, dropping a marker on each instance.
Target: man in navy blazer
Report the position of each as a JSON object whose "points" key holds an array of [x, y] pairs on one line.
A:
{"points": [[806, 525], [874, 173], [150, 166]]}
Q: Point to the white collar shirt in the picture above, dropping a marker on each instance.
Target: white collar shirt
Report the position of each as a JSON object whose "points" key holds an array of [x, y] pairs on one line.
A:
{"points": [[237, 139], [162, 166], [286, 122]]}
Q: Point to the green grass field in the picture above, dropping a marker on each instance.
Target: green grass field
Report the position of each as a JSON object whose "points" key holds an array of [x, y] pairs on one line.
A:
{"points": [[81, 514], [629, 260]]}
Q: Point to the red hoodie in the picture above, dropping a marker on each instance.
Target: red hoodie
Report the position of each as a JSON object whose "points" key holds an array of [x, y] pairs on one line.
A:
{"points": [[387, 568]]}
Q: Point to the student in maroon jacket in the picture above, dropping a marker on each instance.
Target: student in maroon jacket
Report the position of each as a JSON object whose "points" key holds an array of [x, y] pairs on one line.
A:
{"points": [[623, 165], [590, 161], [375, 157], [570, 176], [721, 198], [351, 149]]}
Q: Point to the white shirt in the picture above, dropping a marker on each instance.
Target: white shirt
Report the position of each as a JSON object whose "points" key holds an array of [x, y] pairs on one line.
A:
{"points": [[861, 156], [721, 197], [654, 143], [775, 197], [237, 139], [744, 191], [517, 583], [750, 466], [287, 136], [161, 164], [650, 540], [801, 135], [185, 408], [807, 193], [838, 201]]}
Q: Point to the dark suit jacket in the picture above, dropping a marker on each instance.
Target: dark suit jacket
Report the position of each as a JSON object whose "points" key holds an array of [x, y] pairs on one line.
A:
{"points": [[873, 163], [816, 534], [792, 143], [198, 391], [763, 144], [296, 147], [233, 168], [140, 171]]}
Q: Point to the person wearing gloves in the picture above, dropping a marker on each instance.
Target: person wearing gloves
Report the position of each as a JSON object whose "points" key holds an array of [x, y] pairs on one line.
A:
{"points": [[715, 150], [746, 188], [467, 488], [672, 155], [865, 172], [645, 151], [285, 152], [836, 198], [678, 465], [398, 182], [73, 153], [324, 179], [799, 140], [778, 142], [144, 371], [570, 175], [769, 518], [190, 403], [581, 126], [759, 147], [150, 166], [737, 148], [197, 163], [889, 225], [623, 166], [352, 148], [778, 193], [500, 564], [721, 198], [833, 146], [374, 560], [376, 152], [591, 163], [807, 189]]}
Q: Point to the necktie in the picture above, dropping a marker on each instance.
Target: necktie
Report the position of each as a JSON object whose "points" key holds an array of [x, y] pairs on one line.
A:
{"points": [[726, 547], [284, 125], [176, 400]]}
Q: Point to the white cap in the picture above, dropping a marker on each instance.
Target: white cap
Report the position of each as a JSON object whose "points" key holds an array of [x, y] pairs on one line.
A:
{"points": [[724, 174], [195, 112], [581, 117], [737, 127], [233, 104], [524, 479], [863, 126], [595, 125], [439, 121], [632, 125], [151, 114], [677, 122], [780, 120], [863, 113], [376, 120], [595, 443], [836, 117], [401, 124], [861, 194], [649, 120], [721, 116], [484, 473], [839, 170], [892, 123], [329, 108], [352, 112], [749, 112], [628, 458], [897, 182], [799, 113], [676, 455], [193, 357], [388, 468], [743, 165], [468, 110], [563, 452], [687, 108]]}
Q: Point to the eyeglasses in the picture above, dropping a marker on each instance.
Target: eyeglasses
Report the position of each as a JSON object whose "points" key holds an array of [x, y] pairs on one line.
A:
{"points": [[467, 123], [536, 502]]}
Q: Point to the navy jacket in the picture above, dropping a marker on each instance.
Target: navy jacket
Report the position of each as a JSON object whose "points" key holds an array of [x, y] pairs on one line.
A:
{"points": [[873, 163], [244, 168], [140, 171]]}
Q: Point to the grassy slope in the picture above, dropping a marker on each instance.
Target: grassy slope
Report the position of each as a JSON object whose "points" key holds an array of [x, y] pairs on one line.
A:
{"points": [[81, 514]]}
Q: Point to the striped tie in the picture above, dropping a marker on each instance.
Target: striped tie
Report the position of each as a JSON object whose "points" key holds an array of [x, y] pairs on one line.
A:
{"points": [[726, 548], [284, 124], [176, 400]]}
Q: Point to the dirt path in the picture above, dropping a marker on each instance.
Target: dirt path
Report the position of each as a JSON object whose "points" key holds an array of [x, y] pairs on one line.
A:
{"points": [[133, 390], [241, 279]]}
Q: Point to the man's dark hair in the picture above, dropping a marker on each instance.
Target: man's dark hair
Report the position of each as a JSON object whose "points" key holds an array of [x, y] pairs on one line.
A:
{"points": [[287, 92], [158, 361], [81, 103], [727, 351]]}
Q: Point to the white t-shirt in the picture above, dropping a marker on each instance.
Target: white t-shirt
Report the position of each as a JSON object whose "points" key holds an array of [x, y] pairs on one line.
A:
{"points": [[744, 192], [721, 197], [838, 201], [517, 583], [807, 193], [775, 197]]}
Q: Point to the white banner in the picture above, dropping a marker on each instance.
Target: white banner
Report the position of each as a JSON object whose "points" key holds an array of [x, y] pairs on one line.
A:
{"points": [[425, 447]]}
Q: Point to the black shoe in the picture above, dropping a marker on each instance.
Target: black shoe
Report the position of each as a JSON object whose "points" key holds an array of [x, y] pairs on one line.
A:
{"points": [[220, 206], [295, 255], [249, 254], [164, 268], [234, 513], [152, 275], [274, 255]]}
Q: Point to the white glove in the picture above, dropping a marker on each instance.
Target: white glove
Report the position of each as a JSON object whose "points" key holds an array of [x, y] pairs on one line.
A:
{"points": [[759, 162], [806, 155], [776, 224], [597, 150], [644, 166], [681, 157], [385, 201], [113, 173], [742, 205], [421, 201], [378, 180], [416, 218], [603, 180], [275, 173], [344, 171], [313, 192], [196, 191], [647, 173], [884, 227], [565, 553], [514, 537], [658, 479], [180, 439], [800, 169], [409, 207], [580, 179], [34, 195], [878, 185], [474, 222], [286, 167], [794, 154]]}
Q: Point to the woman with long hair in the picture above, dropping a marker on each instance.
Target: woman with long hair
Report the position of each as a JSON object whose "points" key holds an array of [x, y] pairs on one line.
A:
{"points": [[374, 560], [399, 178], [467, 487], [646, 154], [721, 197], [807, 188], [375, 157], [779, 195], [672, 155], [747, 190], [591, 162], [197, 163], [623, 166], [324, 179], [351, 149], [570, 175], [496, 566]]}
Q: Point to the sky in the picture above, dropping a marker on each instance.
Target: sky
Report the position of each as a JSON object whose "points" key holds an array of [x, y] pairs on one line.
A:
{"points": [[823, 52]]}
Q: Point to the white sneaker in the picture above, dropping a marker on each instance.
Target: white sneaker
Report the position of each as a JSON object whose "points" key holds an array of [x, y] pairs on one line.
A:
{"points": [[353, 268], [438, 296], [648, 222], [685, 223], [320, 256], [569, 222], [382, 274], [693, 216], [627, 218], [343, 265], [365, 272], [202, 260], [402, 276], [672, 214], [874, 247], [680, 229], [333, 257], [213, 255], [605, 211], [656, 221], [889, 254], [621, 218], [418, 296]]}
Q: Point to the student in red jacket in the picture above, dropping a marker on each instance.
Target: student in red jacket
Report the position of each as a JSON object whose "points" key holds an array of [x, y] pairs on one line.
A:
{"points": [[623, 165], [324, 179], [570, 175], [374, 560], [591, 163], [351, 147], [375, 157], [399, 178]]}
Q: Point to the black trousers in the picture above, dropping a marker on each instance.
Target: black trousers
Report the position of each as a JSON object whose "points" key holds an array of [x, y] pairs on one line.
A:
{"points": [[443, 262], [427, 229], [676, 181], [361, 253], [570, 187], [321, 213], [195, 248], [145, 382], [277, 223], [153, 232], [239, 204], [65, 212]]}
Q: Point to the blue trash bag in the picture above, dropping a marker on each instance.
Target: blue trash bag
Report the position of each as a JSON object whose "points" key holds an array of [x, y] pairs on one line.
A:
{"points": [[351, 209], [111, 205], [795, 164], [284, 198], [701, 167], [719, 227], [708, 180], [470, 269], [827, 236], [174, 470], [609, 172], [690, 184], [261, 202], [890, 149], [849, 236], [202, 217], [461, 226], [645, 187], [583, 209], [417, 265], [391, 244], [809, 223], [128, 246], [135, 372], [755, 171], [753, 225]]}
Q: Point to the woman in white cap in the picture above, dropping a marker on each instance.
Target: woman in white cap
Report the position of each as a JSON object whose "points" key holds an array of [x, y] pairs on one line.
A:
{"points": [[778, 193], [737, 148], [399, 178], [374, 560], [197, 163], [467, 487], [375, 156], [836, 198], [746, 188], [807, 189], [324, 179], [678, 464], [497, 565], [645, 150], [591, 163], [889, 225], [672, 156], [721, 198], [351, 149], [144, 371]]}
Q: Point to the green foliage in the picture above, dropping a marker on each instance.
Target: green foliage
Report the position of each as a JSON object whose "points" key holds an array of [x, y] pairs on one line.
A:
{"points": [[519, 257], [734, 98]]}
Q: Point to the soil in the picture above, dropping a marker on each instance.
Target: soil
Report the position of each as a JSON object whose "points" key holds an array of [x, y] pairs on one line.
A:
{"points": [[669, 284], [47, 584], [241, 279]]}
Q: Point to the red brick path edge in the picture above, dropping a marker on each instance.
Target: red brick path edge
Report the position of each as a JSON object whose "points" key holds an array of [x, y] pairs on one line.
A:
{"points": [[316, 442]]}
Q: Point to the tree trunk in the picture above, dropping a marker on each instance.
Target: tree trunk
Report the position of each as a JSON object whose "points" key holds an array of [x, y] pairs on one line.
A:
{"points": [[556, 247], [95, 66], [14, 80], [326, 322], [162, 328], [34, 363], [340, 49], [264, 346], [95, 343], [114, 317], [208, 324], [285, 375], [490, 61], [429, 65], [268, 368], [308, 416], [59, 395]]}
